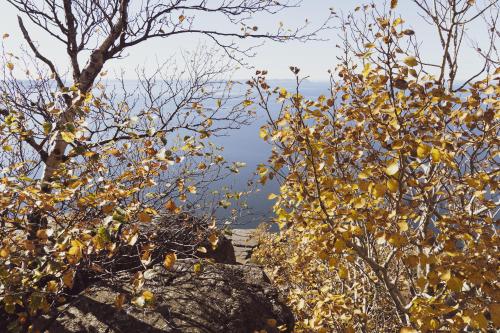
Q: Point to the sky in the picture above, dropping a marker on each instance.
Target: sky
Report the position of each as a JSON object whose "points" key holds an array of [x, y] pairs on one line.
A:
{"points": [[314, 57]]}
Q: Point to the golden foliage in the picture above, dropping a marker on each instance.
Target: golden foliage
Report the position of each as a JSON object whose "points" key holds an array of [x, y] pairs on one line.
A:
{"points": [[388, 198]]}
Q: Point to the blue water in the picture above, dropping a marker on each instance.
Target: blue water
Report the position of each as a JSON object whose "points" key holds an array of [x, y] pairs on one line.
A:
{"points": [[245, 145]]}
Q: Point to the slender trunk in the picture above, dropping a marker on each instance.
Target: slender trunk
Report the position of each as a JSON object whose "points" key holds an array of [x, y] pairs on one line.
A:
{"points": [[56, 153]]}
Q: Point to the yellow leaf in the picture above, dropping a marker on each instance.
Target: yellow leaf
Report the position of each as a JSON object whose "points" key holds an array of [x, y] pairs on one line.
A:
{"points": [[359, 202], [408, 330], [393, 185], [397, 22], [149, 297], [379, 190], [397, 144], [75, 251], [4, 252], [480, 321], [283, 93], [146, 257], [455, 284], [392, 168], [366, 70], [181, 18], [10, 65], [411, 61], [343, 272], [394, 3], [403, 226], [339, 245], [197, 268], [423, 150], [272, 196], [68, 137], [365, 174], [436, 155], [114, 152], [68, 277], [169, 260], [263, 133], [332, 262], [445, 276]]}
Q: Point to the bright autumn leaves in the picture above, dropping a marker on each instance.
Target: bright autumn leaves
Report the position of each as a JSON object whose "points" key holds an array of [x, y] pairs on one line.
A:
{"points": [[387, 203]]}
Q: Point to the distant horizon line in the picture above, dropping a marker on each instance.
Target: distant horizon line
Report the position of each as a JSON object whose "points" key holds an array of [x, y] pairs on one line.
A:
{"points": [[240, 80]]}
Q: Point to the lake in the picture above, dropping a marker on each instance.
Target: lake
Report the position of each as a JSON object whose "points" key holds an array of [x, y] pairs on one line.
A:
{"points": [[245, 145]]}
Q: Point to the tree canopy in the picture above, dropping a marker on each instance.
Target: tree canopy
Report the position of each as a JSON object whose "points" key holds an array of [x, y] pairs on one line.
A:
{"points": [[388, 205]]}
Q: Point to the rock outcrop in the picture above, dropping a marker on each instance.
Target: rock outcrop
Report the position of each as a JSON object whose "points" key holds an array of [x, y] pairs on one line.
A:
{"points": [[243, 241], [218, 298], [224, 253]]}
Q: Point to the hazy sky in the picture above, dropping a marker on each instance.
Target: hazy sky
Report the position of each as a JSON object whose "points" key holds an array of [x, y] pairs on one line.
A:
{"points": [[314, 57]]}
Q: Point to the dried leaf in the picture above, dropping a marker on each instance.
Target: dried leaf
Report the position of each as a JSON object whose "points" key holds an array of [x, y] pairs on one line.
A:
{"points": [[169, 260]]}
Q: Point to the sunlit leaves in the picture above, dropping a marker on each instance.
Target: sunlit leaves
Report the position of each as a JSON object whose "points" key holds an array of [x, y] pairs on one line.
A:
{"points": [[367, 69], [403, 226], [378, 190], [411, 61], [392, 168], [272, 196], [393, 185], [359, 203], [69, 137], [148, 296], [99, 200], [436, 155], [145, 299], [224, 203], [387, 191], [263, 133], [4, 252], [169, 260], [423, 150], [197, 268]]}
